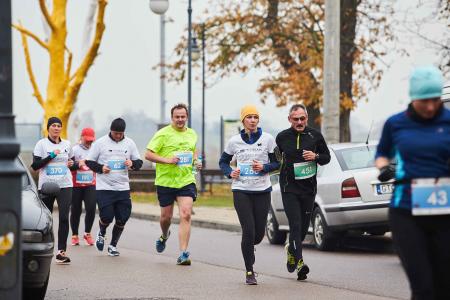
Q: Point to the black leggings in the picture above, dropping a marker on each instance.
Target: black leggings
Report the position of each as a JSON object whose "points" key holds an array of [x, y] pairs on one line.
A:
{"points": [[423, 245], [252, 210], [80, 194], [298, 209], [64, 200]]}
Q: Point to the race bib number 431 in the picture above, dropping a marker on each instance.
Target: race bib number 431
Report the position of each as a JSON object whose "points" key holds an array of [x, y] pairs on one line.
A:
{"points": [[430, 196], [305, 170]]}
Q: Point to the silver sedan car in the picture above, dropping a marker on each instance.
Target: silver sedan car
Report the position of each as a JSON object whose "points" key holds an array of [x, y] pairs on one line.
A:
{"points": [[349, 197]]}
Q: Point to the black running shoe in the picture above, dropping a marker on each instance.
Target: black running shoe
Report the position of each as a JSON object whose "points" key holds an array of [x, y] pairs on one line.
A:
{"points": [[250, 278], [302, 270], [62, 258]]}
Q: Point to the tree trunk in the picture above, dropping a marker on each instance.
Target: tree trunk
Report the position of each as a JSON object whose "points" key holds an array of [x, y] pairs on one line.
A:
{"points": [[348, 33], [313, 117]]}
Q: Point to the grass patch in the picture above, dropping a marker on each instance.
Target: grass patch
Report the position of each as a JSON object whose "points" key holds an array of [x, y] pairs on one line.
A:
{"points": [[219, 197]]}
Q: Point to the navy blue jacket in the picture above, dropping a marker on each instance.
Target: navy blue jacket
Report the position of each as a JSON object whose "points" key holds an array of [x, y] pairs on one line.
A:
{"points": [[420, 147]]}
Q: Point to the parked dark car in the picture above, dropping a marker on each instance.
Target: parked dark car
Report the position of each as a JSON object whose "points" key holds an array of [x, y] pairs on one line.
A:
{"points": [[37, 238]]}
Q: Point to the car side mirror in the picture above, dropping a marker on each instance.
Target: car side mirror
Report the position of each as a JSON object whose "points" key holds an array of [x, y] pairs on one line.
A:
{"points": [[50, 189]]}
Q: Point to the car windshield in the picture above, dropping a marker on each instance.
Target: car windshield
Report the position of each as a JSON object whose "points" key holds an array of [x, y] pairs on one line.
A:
{"points": [[356, 157]]}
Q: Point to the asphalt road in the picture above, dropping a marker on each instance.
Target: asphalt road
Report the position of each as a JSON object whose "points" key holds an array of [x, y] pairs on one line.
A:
{"points": [[366, 268]]}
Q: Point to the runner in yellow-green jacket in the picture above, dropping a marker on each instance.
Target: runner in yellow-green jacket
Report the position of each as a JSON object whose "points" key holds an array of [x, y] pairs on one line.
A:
{"points": [[173, 150]]}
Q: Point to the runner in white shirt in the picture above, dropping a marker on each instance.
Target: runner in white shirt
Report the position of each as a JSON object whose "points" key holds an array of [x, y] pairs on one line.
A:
{"points": [[253, 150], [53, 157], [83, 189], [111, 156]]}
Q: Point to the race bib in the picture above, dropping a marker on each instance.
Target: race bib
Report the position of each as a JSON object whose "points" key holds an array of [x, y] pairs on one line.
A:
{"points": [[84, 177], [186, 159], [430, 196], [247, 170], [116, 165], [305, 170], [56, 169]]}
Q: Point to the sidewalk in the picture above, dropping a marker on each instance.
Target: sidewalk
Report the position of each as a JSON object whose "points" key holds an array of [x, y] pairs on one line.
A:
{"points": [[206, 217]]}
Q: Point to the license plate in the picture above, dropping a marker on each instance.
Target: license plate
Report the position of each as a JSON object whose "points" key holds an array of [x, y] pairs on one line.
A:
{"points": [[385, 188]]}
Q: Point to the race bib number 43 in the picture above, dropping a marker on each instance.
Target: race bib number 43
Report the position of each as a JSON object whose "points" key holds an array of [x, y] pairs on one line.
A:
{"points": [[430, 196], [305, 170], [247, 170]]}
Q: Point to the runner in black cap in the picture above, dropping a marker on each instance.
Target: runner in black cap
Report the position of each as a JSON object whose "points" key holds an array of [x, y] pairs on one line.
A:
{"points": [[111, 156]]}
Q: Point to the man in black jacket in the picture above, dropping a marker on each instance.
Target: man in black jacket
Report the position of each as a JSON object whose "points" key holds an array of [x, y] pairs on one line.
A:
{"points": [[301, 148]]}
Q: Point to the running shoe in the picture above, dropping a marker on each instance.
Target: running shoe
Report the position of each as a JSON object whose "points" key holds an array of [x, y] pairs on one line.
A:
{"points": [[100, 242], [302, 270], [112, 251], [184, 259], [62, 258], [291, 263], [75, 240], [250, 278], [161, 242], [88, 239]]}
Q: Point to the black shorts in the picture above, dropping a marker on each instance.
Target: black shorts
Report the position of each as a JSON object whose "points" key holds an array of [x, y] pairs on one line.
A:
{"points": [[167, 196], [114, 204]]}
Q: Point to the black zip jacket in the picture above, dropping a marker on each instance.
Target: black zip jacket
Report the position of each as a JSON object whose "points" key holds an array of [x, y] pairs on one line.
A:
{"points": [[291, 144]]}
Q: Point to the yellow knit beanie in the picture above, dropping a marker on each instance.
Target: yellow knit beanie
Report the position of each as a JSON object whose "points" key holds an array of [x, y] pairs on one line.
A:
{"points": [[248, 110]]}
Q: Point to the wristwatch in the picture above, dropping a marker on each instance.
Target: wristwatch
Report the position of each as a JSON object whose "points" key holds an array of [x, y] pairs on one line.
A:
{"points": [[317, 156]]}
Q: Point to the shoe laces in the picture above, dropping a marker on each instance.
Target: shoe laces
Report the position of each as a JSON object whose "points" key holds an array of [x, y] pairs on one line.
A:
{"points": [[300, 264], [290, 256], [62, 253], [250, 273]]}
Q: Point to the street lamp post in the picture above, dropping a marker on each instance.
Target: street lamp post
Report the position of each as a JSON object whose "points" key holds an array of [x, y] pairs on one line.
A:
{"points": [[162, 115], [202, 178], [160, 7], [190, 64], [10, 173]]}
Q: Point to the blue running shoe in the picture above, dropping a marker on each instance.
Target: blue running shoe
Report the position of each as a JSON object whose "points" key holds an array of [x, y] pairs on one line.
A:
{"points": [[161, 242], [184, 259], [100, 242]]}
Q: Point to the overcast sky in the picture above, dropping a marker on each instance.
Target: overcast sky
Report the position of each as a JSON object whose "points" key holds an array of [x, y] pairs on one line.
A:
{"points": [[123, 79]]}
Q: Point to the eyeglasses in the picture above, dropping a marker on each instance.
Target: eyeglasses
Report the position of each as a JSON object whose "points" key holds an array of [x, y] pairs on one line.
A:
{"points": [[298, 119]]}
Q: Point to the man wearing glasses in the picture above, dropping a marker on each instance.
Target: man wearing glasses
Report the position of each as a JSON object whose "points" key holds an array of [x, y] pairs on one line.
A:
{"points": [[301, 148]]}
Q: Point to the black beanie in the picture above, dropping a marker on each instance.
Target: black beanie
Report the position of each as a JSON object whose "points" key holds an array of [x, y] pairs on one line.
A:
{"points": [[53, 120], [118, 125]]}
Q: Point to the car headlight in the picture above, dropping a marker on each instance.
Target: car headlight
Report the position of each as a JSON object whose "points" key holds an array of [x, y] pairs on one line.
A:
{"points": [[31, 236]]}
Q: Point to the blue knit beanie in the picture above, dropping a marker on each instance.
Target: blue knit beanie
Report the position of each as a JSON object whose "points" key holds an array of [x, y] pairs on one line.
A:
{"points": [[425, 82]]}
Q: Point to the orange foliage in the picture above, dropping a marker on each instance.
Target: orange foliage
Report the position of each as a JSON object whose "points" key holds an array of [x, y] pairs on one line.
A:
{"points": [[285, 38]]}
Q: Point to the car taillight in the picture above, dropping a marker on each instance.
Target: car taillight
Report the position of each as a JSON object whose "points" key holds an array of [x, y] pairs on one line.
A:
{"points": [[349, 189]]}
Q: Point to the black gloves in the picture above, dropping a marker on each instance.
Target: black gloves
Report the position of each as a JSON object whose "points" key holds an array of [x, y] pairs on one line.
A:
{"points": [[386, 173]]}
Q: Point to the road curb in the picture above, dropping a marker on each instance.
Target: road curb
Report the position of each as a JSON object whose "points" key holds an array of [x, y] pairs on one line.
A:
{"points": [[195, 223]]}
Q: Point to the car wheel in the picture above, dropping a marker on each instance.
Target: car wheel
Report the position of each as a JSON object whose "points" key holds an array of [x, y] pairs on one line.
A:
{"points": [[36, 293], [324, 238], [274, 235]]}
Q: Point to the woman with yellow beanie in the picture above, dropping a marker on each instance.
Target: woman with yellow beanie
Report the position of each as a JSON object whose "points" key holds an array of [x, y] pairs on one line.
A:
{"points": [[253, 150]]}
